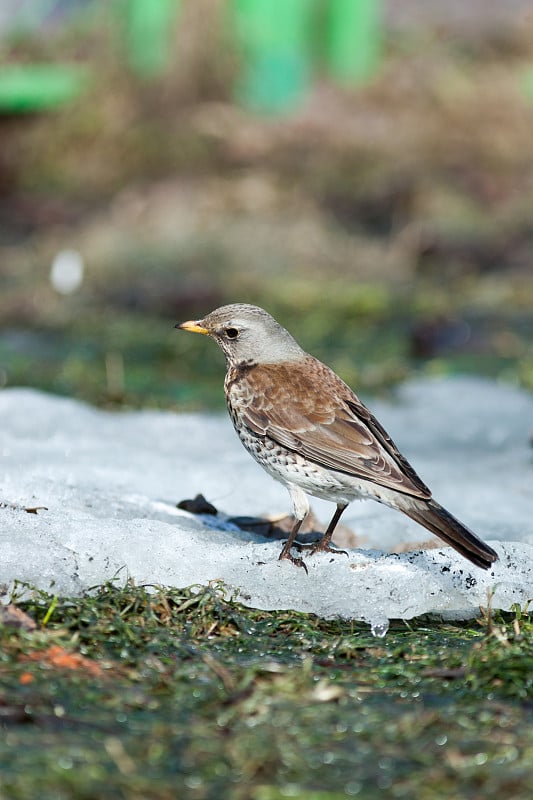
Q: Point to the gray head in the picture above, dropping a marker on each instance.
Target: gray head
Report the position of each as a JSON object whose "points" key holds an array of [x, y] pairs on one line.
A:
{"points": [[247, 334]]}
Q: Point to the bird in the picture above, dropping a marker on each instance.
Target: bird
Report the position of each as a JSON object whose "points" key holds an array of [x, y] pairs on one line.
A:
{"points": [[311, 432]]}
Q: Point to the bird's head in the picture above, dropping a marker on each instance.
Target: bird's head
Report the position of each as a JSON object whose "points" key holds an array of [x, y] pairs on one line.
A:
{"points": [[247, 334]]}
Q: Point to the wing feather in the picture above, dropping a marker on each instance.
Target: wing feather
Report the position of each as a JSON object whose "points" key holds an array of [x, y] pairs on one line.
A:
{"points": [[306, 408]]}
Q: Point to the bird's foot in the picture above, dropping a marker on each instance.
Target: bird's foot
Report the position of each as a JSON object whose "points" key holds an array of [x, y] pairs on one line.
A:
{"points": [[322, 547], [298, 562]]}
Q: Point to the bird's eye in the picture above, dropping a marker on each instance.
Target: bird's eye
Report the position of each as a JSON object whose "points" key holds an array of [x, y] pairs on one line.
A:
{"points": [[231, 333]]}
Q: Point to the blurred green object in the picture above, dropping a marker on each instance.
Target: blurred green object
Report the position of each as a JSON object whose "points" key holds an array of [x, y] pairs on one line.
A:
{"points": [[277, 39], [38, 87], [274, 37], [149, 28], [353, 39], [526, 83]]}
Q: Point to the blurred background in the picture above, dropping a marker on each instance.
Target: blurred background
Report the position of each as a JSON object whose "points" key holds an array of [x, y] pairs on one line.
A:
{"points": [[363, 169]]}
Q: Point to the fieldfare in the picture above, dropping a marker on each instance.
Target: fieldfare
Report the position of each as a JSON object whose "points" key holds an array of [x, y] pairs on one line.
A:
{"points": [[309, 431]]}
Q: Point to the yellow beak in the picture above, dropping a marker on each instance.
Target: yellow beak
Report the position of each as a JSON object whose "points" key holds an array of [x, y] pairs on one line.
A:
{"points": [[192, 326]]}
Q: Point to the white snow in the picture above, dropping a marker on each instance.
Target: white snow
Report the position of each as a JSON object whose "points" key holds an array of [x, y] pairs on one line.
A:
{"points": [[110, 482]]}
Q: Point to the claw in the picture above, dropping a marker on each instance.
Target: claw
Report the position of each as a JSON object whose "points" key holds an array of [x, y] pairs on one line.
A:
{"points": [[298, 562], [322, 547], [326, 548]]}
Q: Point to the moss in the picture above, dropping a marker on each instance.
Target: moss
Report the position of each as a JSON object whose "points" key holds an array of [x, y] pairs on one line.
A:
{"points": [[199, 695]]}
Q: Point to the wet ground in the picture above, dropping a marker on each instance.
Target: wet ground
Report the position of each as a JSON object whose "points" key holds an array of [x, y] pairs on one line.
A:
{"points": [[135, 694]]}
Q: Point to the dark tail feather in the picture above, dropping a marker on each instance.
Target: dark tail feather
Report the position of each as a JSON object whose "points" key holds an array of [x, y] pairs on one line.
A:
{"points": [[439, 521]]}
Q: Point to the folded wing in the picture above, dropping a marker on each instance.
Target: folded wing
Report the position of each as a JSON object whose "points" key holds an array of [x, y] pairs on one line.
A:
{"points": [[306, 408]]}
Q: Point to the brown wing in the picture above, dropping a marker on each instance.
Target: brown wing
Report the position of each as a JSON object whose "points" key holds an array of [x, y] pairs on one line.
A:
{"points": [[306, 408]]}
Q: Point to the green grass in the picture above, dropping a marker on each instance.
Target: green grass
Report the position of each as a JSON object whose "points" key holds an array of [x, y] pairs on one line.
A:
{"points": [[186, 694], [370, 347]]}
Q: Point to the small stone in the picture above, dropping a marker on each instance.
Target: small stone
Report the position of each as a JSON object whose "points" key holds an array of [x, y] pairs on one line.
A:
{"points": [[14, 617], [198, 505]]}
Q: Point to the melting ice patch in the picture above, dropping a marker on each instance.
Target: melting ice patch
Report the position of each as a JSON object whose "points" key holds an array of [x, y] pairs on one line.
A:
{"points": [[110, 482]]}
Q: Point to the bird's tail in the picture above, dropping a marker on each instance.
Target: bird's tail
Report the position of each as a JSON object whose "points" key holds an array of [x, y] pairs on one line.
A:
{"points": [[439, 521]]}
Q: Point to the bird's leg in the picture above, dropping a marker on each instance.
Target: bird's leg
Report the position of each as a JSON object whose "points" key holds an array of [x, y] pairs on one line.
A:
{"points": [[286, 551], [300, 507], [324, 546]]}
